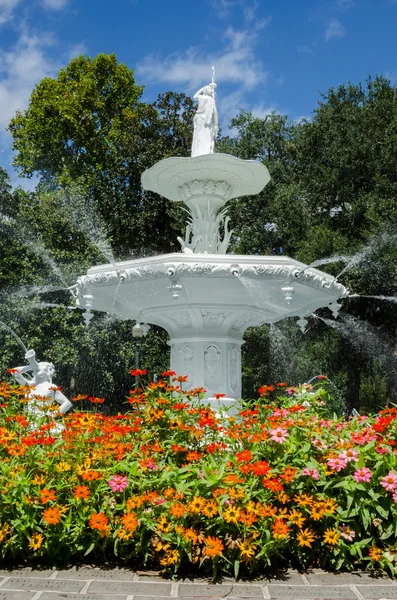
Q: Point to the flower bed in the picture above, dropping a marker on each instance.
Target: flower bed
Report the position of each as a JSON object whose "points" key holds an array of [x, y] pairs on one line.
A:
{"points": [[170, 484]]}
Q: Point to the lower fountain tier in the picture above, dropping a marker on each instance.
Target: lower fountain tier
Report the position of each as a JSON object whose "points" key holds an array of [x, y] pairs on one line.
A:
{"points": [[206, 302]]}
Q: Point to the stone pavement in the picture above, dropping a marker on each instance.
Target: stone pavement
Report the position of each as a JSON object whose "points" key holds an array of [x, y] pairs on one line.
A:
{"points": [[89, 583]]}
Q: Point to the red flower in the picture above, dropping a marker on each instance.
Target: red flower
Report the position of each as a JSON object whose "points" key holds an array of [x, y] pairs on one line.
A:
{"points": [[273, 484], [217, 396], [168, 373], [96, 400], [181, 378], [261, 468], [265, 390], [322, 377], [137, 372], [12, 371], [283, 384], [244, 456]]}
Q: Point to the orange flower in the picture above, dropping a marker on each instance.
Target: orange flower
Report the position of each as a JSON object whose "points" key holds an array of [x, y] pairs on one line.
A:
{"points": [[81, 491], [375, 553], [265, 390], [244, 456], [196, 505], [288, 474], [51, 516], [90, 475], [247, 519], [210, 509], [130, 521], [98, 521], [177, 510], [46, 495], [266, 510], [193, 455], [280, 529], [213, 546]]}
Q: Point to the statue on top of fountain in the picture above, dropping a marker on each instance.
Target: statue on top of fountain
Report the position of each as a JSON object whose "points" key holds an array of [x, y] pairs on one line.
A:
{"points": [[205, 120], [43, 393]]}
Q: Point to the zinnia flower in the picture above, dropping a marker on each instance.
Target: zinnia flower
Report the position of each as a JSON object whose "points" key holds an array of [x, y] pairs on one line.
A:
{"points": [[337, 463], [311, 473], [347, 533], [331, 536], [305, 537], [213, 546], [349, 455], [278, 435], [389, 482], [36, 541], [363, 474], [51, 516], [118, 483]]}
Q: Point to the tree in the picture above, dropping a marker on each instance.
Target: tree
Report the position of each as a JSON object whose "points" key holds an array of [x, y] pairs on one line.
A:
{"points": [[89, 126], [333, 190]]}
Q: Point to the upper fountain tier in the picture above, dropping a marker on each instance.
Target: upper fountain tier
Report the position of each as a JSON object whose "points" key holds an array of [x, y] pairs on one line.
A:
{"points": [[206, 181]]}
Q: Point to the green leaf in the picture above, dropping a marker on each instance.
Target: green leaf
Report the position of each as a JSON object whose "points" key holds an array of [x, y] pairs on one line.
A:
{"points": [[236, 568], [89, 549]]}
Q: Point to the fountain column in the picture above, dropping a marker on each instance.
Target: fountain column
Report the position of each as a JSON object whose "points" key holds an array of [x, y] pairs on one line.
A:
{"points": [[210, 361]]}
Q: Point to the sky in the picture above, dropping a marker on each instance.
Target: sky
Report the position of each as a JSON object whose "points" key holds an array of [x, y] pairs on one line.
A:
{"points": [[268, 54]]}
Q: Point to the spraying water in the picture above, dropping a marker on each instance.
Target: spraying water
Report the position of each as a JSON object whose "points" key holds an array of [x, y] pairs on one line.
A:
{"points": [[365, 338], [374, 245], [282, 354], [386, 298], [14, 335], [326, 261]]}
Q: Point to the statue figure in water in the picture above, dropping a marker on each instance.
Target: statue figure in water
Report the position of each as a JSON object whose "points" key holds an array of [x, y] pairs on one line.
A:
{"points": [[205, 120], [44, 394]]}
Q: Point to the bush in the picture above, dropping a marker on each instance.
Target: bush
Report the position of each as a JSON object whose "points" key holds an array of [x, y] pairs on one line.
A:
{"points": [[173, 484]]}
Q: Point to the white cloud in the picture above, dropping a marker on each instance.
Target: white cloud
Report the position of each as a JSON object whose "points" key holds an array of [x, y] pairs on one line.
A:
{"points": [[305, 50], [344, 4], [222, 7], [261, 112], [235, 64], [54, 4], [6, 9], [76, 50], [334, 29], [20, 69]]}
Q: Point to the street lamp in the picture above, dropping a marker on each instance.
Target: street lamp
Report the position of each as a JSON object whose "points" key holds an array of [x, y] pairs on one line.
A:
{"points": [[139, 331]]}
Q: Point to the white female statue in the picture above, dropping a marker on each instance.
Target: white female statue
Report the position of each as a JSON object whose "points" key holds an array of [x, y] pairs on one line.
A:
{"points": [[205, 120], [43, 392]]}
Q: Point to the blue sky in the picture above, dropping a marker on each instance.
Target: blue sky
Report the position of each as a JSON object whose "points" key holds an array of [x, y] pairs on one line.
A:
{"points": [[269, 54]]}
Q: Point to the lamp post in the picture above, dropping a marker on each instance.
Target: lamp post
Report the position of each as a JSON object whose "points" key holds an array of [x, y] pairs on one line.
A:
{"points": [[139, 331]]}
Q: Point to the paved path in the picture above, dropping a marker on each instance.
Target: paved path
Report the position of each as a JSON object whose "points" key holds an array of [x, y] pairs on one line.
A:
{"points": [[88, 583]]}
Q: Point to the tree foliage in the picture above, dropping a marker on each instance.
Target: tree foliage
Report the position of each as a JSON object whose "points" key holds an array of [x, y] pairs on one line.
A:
{"points": [[89, 136]]}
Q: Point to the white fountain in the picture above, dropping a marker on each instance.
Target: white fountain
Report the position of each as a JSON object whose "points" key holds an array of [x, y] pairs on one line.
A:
{"points": [[204, 298]]}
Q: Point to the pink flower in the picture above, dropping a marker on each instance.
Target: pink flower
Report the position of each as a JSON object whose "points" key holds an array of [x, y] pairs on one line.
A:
{"points": [[337, 463], [278, 435], [363, 474], [349, 455], [394, 497], [347, 533], [389, 482], [150, 464], [311, 473], [118, 483]]}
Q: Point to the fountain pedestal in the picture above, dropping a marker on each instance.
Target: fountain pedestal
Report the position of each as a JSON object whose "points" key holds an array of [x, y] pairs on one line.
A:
{"points": [[210, 361]]}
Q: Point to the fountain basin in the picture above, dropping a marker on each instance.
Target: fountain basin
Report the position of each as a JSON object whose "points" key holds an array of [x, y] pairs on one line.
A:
{"points": [[205, 302]]}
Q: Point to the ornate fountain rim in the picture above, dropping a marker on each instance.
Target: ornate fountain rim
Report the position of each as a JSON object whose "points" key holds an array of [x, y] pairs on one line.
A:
{"points": [[178, 265]]}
